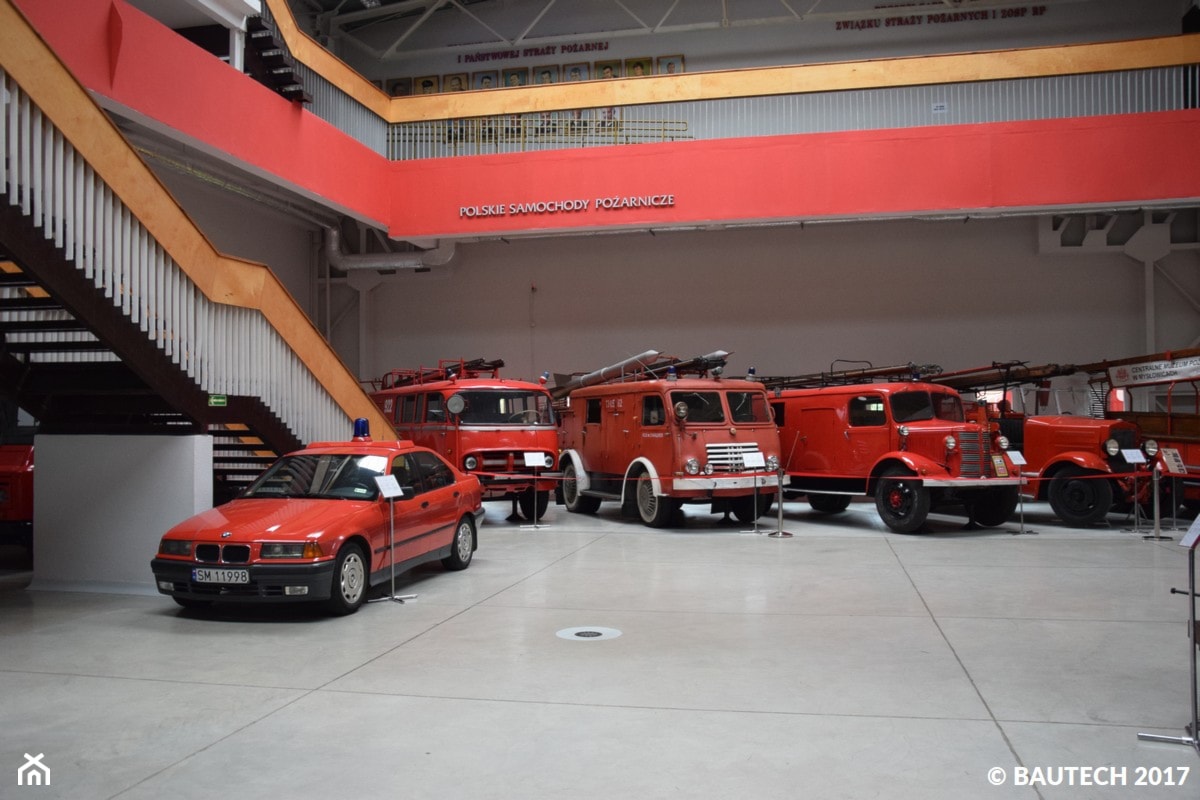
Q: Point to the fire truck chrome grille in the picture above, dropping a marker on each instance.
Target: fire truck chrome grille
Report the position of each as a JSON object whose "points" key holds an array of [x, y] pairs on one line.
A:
{"points": [[729, 457], [973, 447]]}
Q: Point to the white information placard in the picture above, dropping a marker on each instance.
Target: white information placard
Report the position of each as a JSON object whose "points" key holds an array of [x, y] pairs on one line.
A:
{"points": [[389, 487], [535, 460], [1017, 458], [1192, 536], [1133, 456], [1172, 461], [754, 459]]}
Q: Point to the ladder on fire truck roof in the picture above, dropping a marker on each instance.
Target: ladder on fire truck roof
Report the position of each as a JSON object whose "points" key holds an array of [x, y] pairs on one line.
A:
{"points": [[447, 369], [844, 377], [642, 367], [1002, 374]]}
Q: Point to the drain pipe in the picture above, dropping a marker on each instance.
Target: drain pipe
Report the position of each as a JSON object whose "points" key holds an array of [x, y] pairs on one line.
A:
{"points": [[423, 259]]}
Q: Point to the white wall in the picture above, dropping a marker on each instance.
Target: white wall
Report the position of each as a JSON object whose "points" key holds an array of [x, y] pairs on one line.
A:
{"points": [[101, 504], [785, 300]]}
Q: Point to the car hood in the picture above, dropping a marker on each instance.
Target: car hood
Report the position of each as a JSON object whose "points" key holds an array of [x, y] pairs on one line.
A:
{"points": [[254, 519]]}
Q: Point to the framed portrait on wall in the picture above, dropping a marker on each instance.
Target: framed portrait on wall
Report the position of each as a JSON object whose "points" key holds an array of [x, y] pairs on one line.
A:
{"points": [[576, 72], [427, 84], [399, 87], [454, 82], [638, 67], [545, 74], [670, 65], [489, 79], [608, 69], [515, 76]]}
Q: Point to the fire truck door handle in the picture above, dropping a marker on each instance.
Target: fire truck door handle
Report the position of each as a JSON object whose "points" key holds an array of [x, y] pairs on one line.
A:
{"points": [[425, 504], [846, 434]]}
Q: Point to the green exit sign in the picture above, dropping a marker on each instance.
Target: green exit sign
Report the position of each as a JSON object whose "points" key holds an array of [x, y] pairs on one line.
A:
{"points": [[217, 401]]}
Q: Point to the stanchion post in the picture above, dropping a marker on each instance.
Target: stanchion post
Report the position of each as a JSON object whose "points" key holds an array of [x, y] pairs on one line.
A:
{"points": [[1157, 513], [755, 461], [389, 487], [1189, 541], [779, 532], [535, 460], [1018, 460], [1134, 457]]}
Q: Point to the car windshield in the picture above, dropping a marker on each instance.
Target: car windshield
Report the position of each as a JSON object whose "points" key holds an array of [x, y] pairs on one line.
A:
{"points": [[916, 406], [326, 476], [505, 407]]}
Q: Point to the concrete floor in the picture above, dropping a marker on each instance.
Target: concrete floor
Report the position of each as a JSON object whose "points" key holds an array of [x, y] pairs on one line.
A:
{"points": [[844, 662]]}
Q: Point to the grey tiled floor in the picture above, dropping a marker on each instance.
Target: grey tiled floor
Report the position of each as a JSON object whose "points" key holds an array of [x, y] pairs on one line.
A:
{"points": [[844, 662]]}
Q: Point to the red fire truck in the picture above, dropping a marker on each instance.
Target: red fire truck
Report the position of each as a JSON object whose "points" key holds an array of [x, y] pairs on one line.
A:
{"points": [[503, 431], [883, 432], [1076, 462], [16, 494], [654, 432]]}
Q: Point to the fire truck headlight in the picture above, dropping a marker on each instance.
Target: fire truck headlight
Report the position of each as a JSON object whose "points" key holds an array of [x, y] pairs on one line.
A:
{"points": [[1112, 447], [708, 469], [681, 410], [470, 462], [692, 466], [549, 461], [772, 462], [1150, 447], [1003, 443], [951, 444]]}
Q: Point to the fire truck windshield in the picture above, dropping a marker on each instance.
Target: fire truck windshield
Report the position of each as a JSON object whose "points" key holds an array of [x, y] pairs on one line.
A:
{"points": [[706, 407], [916, 406], [505, 407]]}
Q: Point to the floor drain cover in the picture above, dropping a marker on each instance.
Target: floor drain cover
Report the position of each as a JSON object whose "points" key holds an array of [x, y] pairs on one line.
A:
{"points": [[589, 632]]}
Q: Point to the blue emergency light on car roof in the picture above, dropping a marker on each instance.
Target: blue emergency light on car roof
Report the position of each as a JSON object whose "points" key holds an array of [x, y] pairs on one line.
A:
{"points": [[362, 429]]}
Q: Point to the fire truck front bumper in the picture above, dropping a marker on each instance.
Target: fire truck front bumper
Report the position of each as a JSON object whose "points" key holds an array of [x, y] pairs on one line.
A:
{"points": [[970, 483], [738, 484]]}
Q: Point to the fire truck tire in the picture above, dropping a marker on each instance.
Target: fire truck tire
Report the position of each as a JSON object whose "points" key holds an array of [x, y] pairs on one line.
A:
{"points": [[655, 511], [1080, 498], [829, 503], [463, 546], [525, 501], [995, 507], [576, 502], [349, 589], [903, 505], [743, 507]]}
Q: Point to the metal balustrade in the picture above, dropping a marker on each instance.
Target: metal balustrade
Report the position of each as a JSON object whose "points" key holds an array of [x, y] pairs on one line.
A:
{"points": [[223, 349]]}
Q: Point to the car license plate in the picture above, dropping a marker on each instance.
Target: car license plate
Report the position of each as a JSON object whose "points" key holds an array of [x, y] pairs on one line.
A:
{"points": [[208, 575]]}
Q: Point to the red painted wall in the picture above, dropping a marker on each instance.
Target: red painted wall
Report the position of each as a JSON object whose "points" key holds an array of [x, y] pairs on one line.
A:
{"points": [[934, 170]]}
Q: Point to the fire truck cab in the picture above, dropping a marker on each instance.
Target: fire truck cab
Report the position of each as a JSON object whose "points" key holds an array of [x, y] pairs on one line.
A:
{"points": [[654, 433], [502, 431], [910, 445]]}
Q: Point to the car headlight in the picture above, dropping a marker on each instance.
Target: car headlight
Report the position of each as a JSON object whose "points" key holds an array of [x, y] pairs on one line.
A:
{"points": [[772, 463], [291, 550], [692, 466], [1003, 443], [470, 462], [1112, 447], [1150, 447], [951, 444], [549, 461], [175, 547]]}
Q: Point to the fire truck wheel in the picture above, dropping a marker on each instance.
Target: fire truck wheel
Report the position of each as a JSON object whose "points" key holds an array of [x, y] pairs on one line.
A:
{"points": [[995, 507], [525, 501], [349, 590], [463, 546], [1079, 497], [902, 504], [743, 507], [655, 511], [829, 503], [575, 502]]}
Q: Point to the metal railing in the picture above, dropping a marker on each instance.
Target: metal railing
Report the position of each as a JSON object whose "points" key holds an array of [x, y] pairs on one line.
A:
{"points": [[223, 349]]}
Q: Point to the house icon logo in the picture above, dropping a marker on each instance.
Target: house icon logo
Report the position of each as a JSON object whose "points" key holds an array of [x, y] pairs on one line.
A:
{"points": [[33, 772]]}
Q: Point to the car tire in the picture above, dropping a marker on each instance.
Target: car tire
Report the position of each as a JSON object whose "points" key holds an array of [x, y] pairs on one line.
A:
{"points": [[349, 581], [573, 499], [829, 503], [744, 508], [903, 504], [463, 547], [1080, 497]]}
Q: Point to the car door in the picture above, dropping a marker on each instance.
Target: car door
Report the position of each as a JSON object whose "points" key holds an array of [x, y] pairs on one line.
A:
{"points": [[407, 513], [436, 510]]}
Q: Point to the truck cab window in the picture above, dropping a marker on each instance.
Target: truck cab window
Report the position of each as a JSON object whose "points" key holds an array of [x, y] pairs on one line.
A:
{"points": [[748, 407], [434, 409], [867, 410], [653, 412], [593, 411]]}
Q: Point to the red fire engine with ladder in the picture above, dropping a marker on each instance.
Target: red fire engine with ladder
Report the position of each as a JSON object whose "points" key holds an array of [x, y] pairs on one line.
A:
{"points": [[501, 430], [888, 433], [654, 432]]}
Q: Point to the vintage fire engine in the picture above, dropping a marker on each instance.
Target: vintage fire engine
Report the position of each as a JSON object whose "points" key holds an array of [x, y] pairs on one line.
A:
{"points": [[1074, 461], [883, 432], [654, 432], [503, 431]]}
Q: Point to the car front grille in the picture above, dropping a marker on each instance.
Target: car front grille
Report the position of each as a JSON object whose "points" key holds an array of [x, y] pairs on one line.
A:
{"points": [[223, 554]]}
